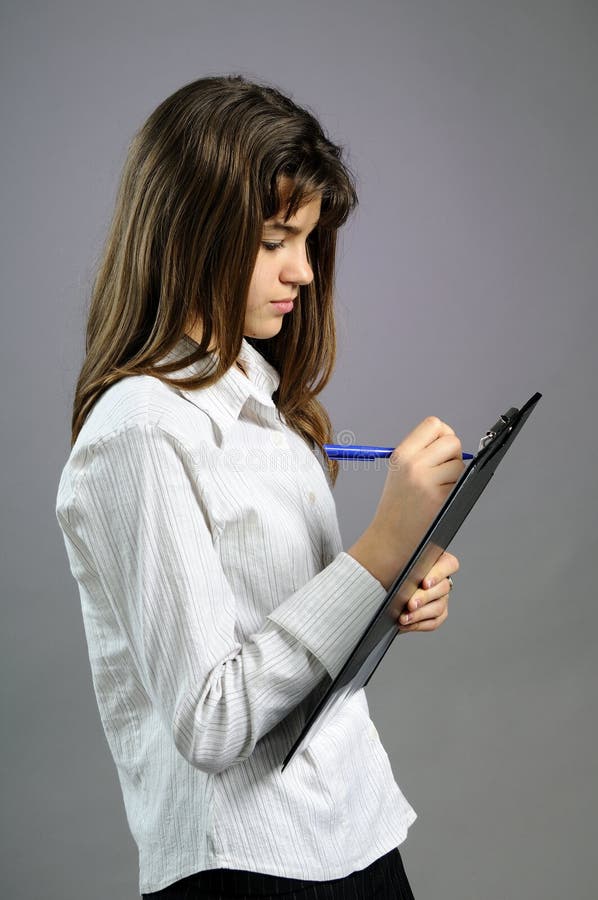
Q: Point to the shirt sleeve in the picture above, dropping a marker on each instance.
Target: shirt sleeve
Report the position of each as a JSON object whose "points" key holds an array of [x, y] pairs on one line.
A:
{"points": [[137, 517]]}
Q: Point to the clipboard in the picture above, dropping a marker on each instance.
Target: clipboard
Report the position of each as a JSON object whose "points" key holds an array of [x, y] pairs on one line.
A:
{"points": [[379, 634]]}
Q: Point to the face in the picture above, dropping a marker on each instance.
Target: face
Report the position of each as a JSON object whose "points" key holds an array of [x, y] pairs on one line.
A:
{"points": [[281, 266]]}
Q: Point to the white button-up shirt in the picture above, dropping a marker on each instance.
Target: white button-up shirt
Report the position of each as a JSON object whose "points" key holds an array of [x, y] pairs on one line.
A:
{"points": [[218, 603]]}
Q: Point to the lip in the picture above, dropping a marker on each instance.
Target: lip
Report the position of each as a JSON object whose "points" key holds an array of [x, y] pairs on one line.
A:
{"points": [[284, 305]]}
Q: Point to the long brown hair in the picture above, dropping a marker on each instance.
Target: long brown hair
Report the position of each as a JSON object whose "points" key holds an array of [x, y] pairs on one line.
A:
{"points": [[201, 176]]}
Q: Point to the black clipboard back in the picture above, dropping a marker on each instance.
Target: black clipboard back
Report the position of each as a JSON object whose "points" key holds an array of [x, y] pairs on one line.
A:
{"points": [[367, 654]]}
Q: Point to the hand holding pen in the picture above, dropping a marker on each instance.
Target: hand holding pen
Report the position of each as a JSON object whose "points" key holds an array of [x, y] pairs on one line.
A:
{"points": [[431, 462]]}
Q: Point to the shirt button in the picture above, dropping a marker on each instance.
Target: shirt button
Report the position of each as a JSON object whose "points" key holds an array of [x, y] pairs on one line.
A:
{"points": [[311, 497]]}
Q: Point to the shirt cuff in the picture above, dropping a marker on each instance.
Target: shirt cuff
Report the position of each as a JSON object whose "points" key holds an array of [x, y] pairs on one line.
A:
{"points": [[330, 613]]}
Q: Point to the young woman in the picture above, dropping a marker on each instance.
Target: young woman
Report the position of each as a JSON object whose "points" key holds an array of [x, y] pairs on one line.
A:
{"points": [[199, 522]]}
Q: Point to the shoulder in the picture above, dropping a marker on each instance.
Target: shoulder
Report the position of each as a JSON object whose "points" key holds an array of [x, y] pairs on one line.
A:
{"points": [[141, 403], [138, 421]]}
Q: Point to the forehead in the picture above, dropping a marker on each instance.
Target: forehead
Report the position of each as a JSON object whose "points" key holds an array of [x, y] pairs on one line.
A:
{"points": [[306, 216], [311, 203]]}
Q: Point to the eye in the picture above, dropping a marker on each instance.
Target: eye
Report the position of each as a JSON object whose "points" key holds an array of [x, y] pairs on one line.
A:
{"points": [[271, 245]]}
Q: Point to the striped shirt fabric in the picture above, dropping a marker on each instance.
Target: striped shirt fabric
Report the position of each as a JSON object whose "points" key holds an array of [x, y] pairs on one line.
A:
{"points": [[218, 603]]}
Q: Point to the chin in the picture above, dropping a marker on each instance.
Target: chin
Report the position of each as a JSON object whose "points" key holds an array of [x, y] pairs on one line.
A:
{"points": [[265, 331]]}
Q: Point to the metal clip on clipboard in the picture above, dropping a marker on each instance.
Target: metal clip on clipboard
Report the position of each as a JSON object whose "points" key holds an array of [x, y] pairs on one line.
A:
{"points": [[500, 426]]}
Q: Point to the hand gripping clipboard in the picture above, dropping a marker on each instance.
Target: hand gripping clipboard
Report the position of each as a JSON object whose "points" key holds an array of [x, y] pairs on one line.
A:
{"points": [[383, 628]]}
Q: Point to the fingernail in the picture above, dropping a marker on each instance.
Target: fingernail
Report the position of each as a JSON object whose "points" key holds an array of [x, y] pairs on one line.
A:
{"points": [[415, 604], [405, 618]]}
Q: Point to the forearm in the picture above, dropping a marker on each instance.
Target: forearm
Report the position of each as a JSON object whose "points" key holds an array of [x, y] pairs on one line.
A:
{"points": [[371, 552], [219, 720]]}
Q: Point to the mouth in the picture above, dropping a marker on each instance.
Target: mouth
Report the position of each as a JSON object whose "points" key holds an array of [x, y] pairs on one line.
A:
{"points": [[283, 305]]}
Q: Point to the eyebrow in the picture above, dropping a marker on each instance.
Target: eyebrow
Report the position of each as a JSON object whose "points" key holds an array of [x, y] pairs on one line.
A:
{"points": [[290, 229]]}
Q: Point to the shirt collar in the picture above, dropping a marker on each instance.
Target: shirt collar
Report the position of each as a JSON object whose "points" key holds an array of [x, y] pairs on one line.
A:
{"points": [[224, 400]]}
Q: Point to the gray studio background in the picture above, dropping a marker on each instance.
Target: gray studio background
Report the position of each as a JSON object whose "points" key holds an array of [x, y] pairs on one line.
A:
{"points": [[467, 281]]}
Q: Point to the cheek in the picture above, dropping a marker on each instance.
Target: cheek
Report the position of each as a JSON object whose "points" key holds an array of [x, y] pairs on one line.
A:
{"points": [[261, 282]]}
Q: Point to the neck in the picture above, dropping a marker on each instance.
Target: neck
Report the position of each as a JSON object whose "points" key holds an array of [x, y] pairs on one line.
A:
{"points": [[195, 335]]}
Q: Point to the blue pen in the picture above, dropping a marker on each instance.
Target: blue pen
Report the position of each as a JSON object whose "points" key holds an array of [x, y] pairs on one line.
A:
{"points": [[363, 451]]}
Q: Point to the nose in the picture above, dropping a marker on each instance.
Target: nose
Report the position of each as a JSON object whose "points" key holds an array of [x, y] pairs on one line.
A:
{"points": [[297, 269]]}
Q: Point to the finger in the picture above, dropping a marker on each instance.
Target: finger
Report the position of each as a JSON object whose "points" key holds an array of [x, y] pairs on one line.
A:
{"points": [[424, 434], [423, 597], [449, 472], [431, 610], [447, 564], [426, 624], [445, 448]]}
